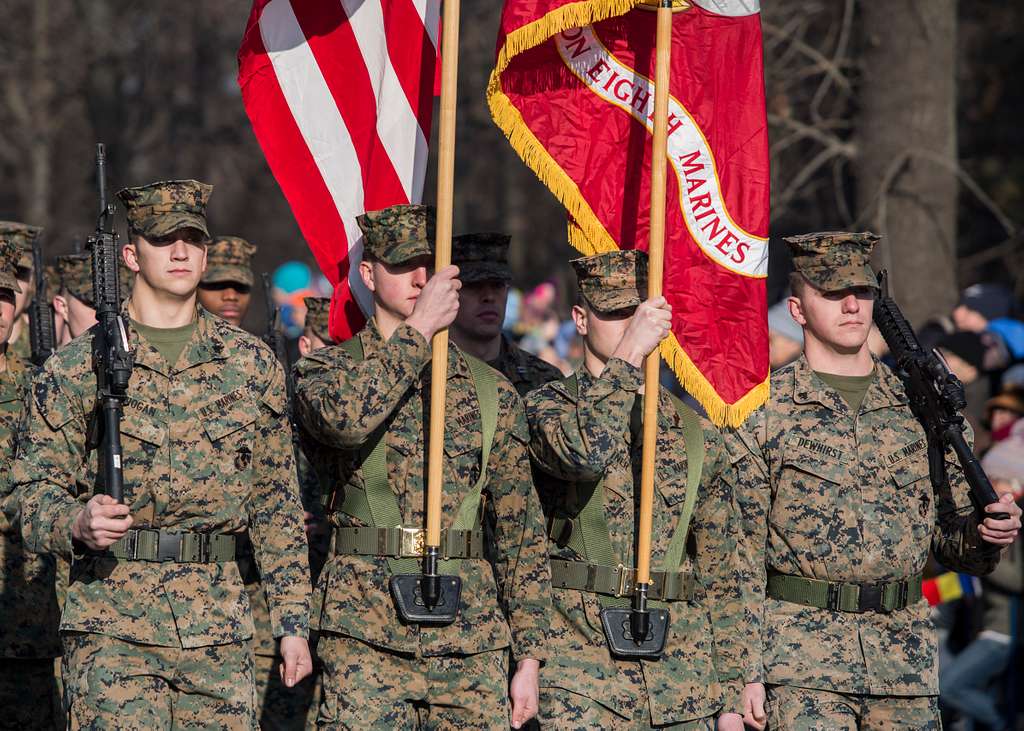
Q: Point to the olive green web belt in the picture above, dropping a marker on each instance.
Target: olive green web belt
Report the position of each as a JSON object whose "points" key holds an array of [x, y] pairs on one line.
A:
{"points": [[590, 536], [377, 505], [884, 596], [406, 542], [147, 544], [620, 581]]}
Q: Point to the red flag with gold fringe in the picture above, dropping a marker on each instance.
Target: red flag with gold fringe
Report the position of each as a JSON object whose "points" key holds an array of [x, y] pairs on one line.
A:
{"points": [[572, 90]]}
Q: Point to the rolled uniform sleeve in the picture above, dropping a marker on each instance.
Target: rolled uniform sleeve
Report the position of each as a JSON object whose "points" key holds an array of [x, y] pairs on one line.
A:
{"points": [[275, 516], [50, 456], [342, 402], [522, 571]]}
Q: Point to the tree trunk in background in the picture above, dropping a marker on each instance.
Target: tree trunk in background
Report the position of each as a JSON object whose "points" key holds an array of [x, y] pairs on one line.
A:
{"points": [[40, 103], [907, 121]]}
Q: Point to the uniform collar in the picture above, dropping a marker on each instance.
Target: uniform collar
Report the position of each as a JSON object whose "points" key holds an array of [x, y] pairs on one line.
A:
{"points": [[885, 390], [207, 344]]}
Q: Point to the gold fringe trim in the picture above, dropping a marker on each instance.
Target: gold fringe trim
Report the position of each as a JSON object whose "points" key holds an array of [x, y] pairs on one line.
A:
{"points": [[586, 233]]}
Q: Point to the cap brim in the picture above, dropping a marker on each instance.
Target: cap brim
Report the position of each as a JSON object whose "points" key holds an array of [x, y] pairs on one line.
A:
{"points": [[240, 275], [843, 280], [168, 223], [612, 300], [473, 273], [404, 254], [9, 282]]}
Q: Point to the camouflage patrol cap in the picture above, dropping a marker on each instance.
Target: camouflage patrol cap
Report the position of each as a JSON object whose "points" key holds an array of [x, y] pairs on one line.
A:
{"points": [[834, 260], [318, 310], [9, 254], [482, 257], [396, 234], [21, 235], [614, 280], [75, 277], [158, 209], [229, 259]]}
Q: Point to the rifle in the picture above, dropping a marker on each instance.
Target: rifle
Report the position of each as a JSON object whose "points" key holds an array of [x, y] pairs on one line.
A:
{"points": [[936, 399], [112, 361], [41, 329]]}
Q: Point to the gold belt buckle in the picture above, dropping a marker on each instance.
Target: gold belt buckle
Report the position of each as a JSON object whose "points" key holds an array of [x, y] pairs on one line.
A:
{"points": [[623, 581], [412, 541]]}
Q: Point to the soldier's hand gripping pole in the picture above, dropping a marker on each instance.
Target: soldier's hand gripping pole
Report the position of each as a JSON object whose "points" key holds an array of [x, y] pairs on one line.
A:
{"points": [[936, 399], [640, 631], [431, 598], [111, 359]]}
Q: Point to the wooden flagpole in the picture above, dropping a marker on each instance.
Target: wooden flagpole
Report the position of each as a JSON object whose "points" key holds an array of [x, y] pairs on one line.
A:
{"points": [[442, 258], [656, 267]]}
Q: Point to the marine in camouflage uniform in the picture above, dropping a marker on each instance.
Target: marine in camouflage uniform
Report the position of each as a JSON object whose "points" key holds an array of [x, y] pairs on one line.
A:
{"points": [[378, 671], [226, 286], [20, 344], [28, 633], [585, 435], [482, 259], [840, 515], [156, 627]]}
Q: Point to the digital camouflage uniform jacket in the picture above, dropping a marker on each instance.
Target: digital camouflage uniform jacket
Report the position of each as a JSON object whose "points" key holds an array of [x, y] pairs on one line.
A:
{"points": [[832, 495], [340, 404], [586, 438], [524, 370], [28, 603], [207, 448]]}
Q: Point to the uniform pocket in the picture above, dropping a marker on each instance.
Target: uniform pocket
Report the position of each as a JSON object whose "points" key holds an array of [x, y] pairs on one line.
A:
{"points": [[915, 500], [808, 492], [231, 434]]}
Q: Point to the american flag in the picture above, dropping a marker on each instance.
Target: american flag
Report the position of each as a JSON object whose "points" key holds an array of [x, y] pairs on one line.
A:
{"points": [[340, 96]]}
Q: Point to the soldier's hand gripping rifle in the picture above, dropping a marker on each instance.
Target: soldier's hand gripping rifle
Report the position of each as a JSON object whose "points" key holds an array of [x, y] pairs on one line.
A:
{"points": [[41, 329], [936, 399], [111, 359]]}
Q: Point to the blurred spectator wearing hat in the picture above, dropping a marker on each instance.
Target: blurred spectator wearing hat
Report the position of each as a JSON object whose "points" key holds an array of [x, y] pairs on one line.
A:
{"points": [[989, 311], [964, 353], [226, 287]]}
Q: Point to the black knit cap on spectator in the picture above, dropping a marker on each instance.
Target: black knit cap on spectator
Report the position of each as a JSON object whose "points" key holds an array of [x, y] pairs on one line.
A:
{"points": [[991, 301]]}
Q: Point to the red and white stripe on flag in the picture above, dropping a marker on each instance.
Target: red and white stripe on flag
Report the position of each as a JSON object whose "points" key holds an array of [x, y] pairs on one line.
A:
{"points": [[340, 95]]}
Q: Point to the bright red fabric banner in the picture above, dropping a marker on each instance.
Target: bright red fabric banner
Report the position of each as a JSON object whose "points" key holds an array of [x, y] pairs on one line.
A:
{"points": [[572, 91]]}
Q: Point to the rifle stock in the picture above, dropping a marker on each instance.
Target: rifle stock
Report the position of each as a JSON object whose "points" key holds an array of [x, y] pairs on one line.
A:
{"points": [[936, 399]]}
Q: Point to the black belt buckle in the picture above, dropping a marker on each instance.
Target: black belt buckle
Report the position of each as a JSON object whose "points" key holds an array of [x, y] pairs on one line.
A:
{"points": [[168, 547], [833, 599], [869, 598]]}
